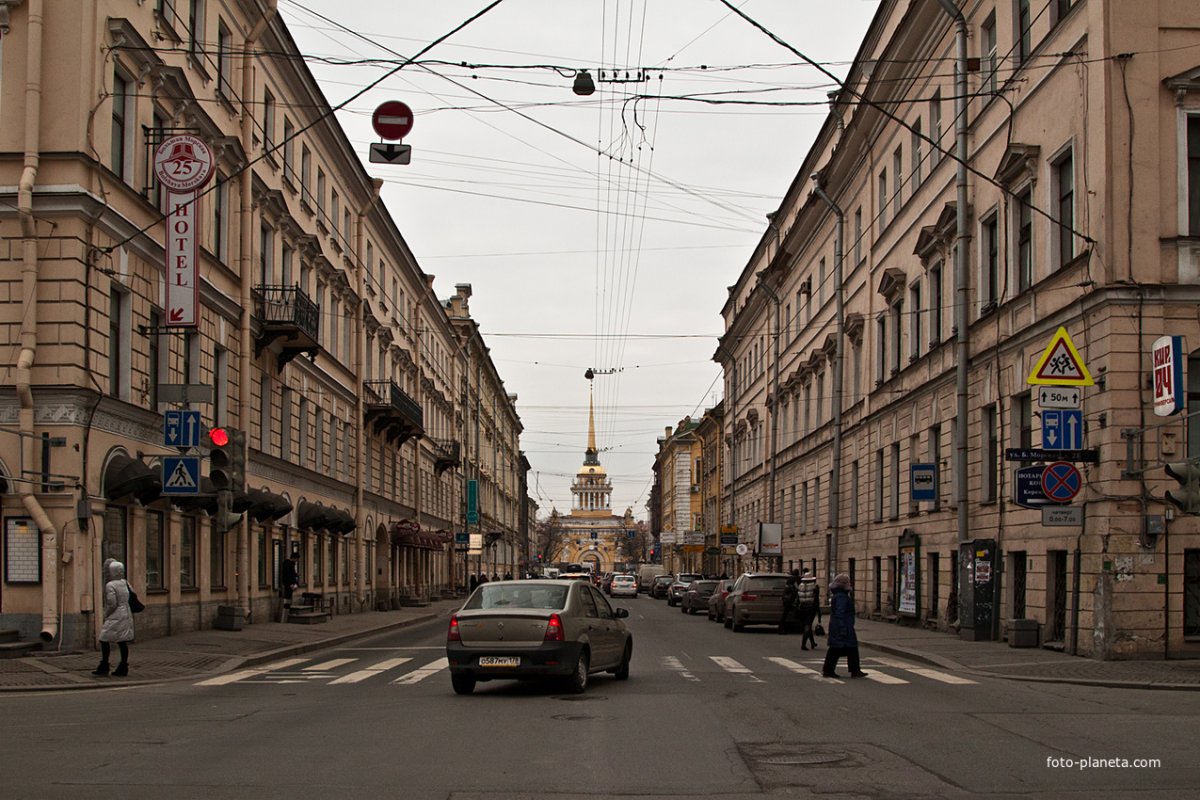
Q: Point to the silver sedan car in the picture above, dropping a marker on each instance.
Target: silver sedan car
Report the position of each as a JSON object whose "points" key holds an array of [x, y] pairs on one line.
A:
{"points": [[525, 630]]}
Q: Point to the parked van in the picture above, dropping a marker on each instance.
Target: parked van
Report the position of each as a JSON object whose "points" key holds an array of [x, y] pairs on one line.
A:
{"points": [[647, 573]]}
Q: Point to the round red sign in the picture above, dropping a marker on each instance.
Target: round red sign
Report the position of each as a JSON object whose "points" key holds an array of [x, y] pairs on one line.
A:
{"points": [[392, 120], [183, 163]]}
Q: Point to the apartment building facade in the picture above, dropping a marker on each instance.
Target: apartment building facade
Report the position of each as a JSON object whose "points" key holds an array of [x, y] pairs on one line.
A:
{"points": [[318, 334], [990, 172]]}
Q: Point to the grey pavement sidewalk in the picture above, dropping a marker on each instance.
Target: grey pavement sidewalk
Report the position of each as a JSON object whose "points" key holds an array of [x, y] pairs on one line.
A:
{"points": [[997, 659], [206, 652]]}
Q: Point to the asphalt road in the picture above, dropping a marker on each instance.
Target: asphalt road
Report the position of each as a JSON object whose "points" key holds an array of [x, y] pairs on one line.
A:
{"points": [[707, 713]]}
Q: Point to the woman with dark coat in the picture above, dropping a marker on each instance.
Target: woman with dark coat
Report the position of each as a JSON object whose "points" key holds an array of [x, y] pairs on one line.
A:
{"points": [[842, 638], [118, 619]]}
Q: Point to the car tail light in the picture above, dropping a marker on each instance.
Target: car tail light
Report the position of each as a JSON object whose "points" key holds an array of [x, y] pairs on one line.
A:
{"points": [[554, 629], [452, 635], [749, 597]]}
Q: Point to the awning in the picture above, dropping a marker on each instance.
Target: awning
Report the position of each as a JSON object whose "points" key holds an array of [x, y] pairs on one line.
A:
{"points": [[127, 476], [206, 501], [314, 516], [266, 506], [343, 522]]}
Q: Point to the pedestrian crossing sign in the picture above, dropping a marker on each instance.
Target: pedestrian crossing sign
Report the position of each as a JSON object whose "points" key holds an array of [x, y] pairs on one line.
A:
{"points": [[1060, 365], [181, 475]]}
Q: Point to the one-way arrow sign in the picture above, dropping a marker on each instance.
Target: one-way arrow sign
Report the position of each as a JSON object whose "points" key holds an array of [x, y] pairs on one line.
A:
{"points": [[388, 153]]}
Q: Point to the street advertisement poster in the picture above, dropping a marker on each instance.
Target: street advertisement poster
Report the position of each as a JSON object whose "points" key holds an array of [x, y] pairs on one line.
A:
{"points": [[770, 539], [908, 581]]}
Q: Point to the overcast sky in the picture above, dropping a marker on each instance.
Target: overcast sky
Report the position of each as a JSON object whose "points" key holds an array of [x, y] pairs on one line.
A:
{"points": [[595, 231]]}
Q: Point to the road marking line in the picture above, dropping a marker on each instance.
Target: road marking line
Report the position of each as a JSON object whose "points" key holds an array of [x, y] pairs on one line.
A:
{"points": [[329, 665], [234, 677], [925, 672], [432, 668], [673, 663], [734, 666], [800, 669], [882, 677], [372, 671]]}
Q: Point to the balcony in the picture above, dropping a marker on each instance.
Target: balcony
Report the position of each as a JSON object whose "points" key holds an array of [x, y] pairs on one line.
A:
{"points": [[286, 313], [392, 412], [446, 454]]}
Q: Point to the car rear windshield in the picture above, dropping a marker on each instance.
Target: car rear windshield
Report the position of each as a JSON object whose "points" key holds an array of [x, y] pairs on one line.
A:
{"points": [[767, 583], [623, 579], [706, 587], [689, 578], [515, 595]]}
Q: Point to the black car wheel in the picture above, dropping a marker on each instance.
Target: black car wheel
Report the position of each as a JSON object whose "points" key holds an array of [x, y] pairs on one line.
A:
{"points": [[463, 684], [622, 672], [578, 680]]}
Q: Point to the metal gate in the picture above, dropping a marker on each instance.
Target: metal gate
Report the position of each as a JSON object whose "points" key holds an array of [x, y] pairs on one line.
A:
{"points": [[1057, 616], [1019, 562]]}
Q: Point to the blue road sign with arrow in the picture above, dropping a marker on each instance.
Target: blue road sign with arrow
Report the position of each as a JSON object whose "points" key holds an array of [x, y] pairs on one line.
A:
{"points": [[181, 428], [1062, 429]]}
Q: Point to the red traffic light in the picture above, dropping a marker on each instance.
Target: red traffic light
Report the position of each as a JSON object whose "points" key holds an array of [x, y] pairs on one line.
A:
{"points": [[219, 437]]}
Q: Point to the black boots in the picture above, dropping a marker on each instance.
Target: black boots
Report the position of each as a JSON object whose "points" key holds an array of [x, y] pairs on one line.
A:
{"points": [[102, 670], [121, 671]]}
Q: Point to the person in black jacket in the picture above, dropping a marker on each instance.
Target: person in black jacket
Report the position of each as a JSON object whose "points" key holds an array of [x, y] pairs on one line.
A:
{"points": [[842, 638], [809, 607], [791, 603], [289, 579]]}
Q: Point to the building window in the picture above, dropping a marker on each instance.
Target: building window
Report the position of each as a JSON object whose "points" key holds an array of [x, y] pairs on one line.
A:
{"points": [[154, 550], [989, 245], [1193, 175], [896, 312], [881, 349], [122, 120], [196, 27], [879, 485], [1024, 243], [268, 121], [119, 344], [858, 236], [335, 210], [224, 61], [1022, 413], [220, 384], [854, 504], [988, 47], [302, 431], [937, 299], [1063, 174], [855, 370], [266, 255], [262, 559], [289, 152], [914, 321], [991, 447], [1024, 37], [264, 416], [883, 199], [288, 256], [321, 195], [918, 143], [898, 182], [1062, 8], [333, 560], [1191, 592], [935, 129], [285, 423], [157, 365], [305, 175], [187, 552], [894, 489], [116, 533], [220, 206], [935, 458]]}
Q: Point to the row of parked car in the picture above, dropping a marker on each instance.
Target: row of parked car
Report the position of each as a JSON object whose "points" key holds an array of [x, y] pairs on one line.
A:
{"points": [[755, 598]]}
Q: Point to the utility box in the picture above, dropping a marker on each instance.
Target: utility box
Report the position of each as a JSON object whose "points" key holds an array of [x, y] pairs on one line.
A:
{"points": [[230, 618], [1023, 632]]}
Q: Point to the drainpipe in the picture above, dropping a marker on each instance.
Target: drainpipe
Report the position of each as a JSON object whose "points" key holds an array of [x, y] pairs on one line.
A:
{"points": [[245, 259], [29, 301], [361, 357], [839, 360], [773, 401], [961, 274]]}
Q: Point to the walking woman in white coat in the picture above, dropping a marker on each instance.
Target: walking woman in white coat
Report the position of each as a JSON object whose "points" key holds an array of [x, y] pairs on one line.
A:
{"points": [[118, 619]]}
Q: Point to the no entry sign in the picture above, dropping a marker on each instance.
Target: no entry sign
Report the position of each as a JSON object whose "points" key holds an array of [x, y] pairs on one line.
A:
{"points": [[1061, 481], [392, 120]]}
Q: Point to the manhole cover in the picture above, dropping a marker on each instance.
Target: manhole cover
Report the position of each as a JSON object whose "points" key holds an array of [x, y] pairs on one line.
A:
{"points": [[801, 760]]}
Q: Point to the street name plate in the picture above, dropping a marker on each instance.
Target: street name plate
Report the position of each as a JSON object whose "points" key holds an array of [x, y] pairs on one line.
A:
{"points": [[185, 393], [1062, 516]]}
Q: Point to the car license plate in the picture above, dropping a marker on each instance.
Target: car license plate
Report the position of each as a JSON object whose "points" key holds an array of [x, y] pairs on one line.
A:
{"points": [[499, 661]]}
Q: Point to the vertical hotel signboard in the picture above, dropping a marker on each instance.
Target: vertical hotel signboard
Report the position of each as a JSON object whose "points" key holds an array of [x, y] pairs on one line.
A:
{"points": [[1166, 357], [183, 164]]}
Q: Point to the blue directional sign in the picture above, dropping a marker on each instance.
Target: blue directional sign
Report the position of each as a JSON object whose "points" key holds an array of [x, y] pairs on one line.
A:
{"points": [[181, 475], [923, 482], [1062, 429], [181, 428]]}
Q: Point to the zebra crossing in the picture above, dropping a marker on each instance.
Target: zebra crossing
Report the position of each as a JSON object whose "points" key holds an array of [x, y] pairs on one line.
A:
{"points": [[887, 671], [412, 669]]}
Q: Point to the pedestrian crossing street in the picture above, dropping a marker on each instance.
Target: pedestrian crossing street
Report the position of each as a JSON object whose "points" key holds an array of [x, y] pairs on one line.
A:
{"points": [[414, 669]]}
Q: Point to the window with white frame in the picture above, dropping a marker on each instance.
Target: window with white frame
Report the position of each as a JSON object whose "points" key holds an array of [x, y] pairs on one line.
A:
{"points": [[987, 50], [1023, 238], [898, 180], [937, 299], [1024, 36], [935, 129], [285, 423], [1193, 175], [914, 321], [852, 517], [935, 458], [896, 313], [880, 486], [268, 121], [918, 147], [264, 416], [991, 448], [119, 340], [1062, 184], [289, 151], [881, 348], [224, 61], [989, 262], [858, 236], [123, 124], [894, 484], [883, 199]]}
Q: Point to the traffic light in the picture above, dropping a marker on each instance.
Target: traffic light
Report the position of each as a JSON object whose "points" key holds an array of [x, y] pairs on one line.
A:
{"points": [[227, 461], [1187, 496], [225, 520]]}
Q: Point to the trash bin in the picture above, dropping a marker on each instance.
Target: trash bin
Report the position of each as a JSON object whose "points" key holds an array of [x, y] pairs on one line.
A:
{"points": [[230, 618], [1022, 633]]}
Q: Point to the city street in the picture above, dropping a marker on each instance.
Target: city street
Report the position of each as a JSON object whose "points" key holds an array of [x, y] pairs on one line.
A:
{"points": [[706, 713]]}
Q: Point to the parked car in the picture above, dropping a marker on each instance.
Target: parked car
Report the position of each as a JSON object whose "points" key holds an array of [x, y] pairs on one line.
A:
{"points": [[682, 581], [606, 581], [696, 597], [658, 589], [756, 599], [623, 586], [524, 630], [646, 574], [716, 603]]}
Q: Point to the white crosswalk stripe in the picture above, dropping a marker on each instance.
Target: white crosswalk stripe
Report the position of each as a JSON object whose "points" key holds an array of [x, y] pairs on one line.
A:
{"points": [[675, 665], [432, 668], [330, 665], [800, 669], [371, 671], [734, 666], [245, 674], [925, 672]]}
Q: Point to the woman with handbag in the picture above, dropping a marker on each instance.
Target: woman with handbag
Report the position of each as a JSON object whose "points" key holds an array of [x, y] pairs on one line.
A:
{"points": [[118, 619]]}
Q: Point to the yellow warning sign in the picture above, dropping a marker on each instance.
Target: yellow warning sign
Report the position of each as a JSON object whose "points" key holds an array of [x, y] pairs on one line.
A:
{"points": [[1060, 365]]}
